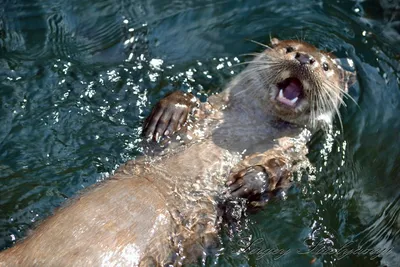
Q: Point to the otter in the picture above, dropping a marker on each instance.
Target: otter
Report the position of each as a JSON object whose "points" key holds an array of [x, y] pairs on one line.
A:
{"points": [[162, 209]]}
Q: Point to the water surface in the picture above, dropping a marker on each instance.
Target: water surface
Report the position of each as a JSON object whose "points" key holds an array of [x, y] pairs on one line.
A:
{"points": [[78, 77]]}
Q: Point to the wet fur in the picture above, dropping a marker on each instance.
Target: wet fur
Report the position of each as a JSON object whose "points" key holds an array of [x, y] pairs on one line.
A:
{"points": [[162, 209]]}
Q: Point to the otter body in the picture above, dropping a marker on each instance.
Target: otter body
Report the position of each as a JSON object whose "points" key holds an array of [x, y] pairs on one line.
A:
{"points": [[162, 209]]}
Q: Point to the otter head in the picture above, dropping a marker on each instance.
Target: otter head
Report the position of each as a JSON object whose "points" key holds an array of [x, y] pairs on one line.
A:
{"points": [[303, 84]]}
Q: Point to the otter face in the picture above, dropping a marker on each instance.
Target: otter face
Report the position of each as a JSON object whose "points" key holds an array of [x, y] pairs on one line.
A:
{"points": [[305, 85]]}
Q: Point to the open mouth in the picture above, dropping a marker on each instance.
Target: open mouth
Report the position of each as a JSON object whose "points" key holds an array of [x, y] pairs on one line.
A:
{"points": [[290, 92]]}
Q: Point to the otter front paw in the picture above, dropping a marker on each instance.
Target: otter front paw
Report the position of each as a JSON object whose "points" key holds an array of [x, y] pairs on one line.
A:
{"points": [[250, 183], [169, 115], [255, 184]]}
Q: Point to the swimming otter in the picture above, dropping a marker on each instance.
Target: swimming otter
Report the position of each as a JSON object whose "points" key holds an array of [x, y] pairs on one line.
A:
{"points": [[162, 209]]}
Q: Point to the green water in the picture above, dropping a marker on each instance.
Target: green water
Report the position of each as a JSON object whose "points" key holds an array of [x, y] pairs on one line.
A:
{"points": [[78, 77]]}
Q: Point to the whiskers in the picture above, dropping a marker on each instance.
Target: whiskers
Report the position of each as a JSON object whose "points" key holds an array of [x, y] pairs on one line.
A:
{"points": [[254, 55], [261, 44], [326, 102], [258, 75], [260, 72], [264, 73]]}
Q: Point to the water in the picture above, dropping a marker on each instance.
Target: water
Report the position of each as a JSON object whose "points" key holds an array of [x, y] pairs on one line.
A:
{"points": [[78, 77]]}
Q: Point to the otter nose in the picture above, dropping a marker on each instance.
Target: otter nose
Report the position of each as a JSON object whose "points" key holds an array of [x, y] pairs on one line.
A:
{"points": [[304, 58]]}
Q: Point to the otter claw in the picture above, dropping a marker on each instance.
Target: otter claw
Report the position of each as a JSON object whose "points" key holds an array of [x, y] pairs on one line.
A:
{"points": [[169, 115], [157, 137], [250, 183]]}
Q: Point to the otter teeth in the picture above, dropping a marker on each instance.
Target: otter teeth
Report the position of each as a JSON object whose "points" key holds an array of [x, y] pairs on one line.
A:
{"points": [[281, 98], [294, 100], [281, 94]]}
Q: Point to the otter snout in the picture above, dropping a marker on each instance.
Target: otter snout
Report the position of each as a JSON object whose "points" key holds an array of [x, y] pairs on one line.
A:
{"points": [[304, 58]]}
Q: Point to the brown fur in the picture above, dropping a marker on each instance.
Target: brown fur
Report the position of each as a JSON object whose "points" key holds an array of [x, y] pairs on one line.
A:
{"points": [[162, 209]]}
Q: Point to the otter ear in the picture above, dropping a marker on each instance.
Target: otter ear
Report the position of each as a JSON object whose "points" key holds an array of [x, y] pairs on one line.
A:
{"points": [[275, 42], [348, 74]]}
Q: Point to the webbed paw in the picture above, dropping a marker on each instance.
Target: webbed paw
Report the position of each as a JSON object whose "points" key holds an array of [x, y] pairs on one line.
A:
{"points": [[169, 115], [250, 183], [258, 185]]}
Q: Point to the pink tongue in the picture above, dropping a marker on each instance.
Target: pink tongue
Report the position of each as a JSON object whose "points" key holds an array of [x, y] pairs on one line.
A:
{"points": [[293, 89]]}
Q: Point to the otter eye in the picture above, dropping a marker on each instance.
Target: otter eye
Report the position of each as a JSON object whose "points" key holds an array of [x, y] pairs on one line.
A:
{"points": [[289, 49], [325, 66]]}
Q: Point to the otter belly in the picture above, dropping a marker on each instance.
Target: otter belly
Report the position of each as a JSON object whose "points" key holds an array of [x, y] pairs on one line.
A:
{"points": [[110, 226], [141, 216], [160, 211]]}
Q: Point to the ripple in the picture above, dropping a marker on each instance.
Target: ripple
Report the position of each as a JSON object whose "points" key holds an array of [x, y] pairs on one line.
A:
{"points": [[78, 77]]}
